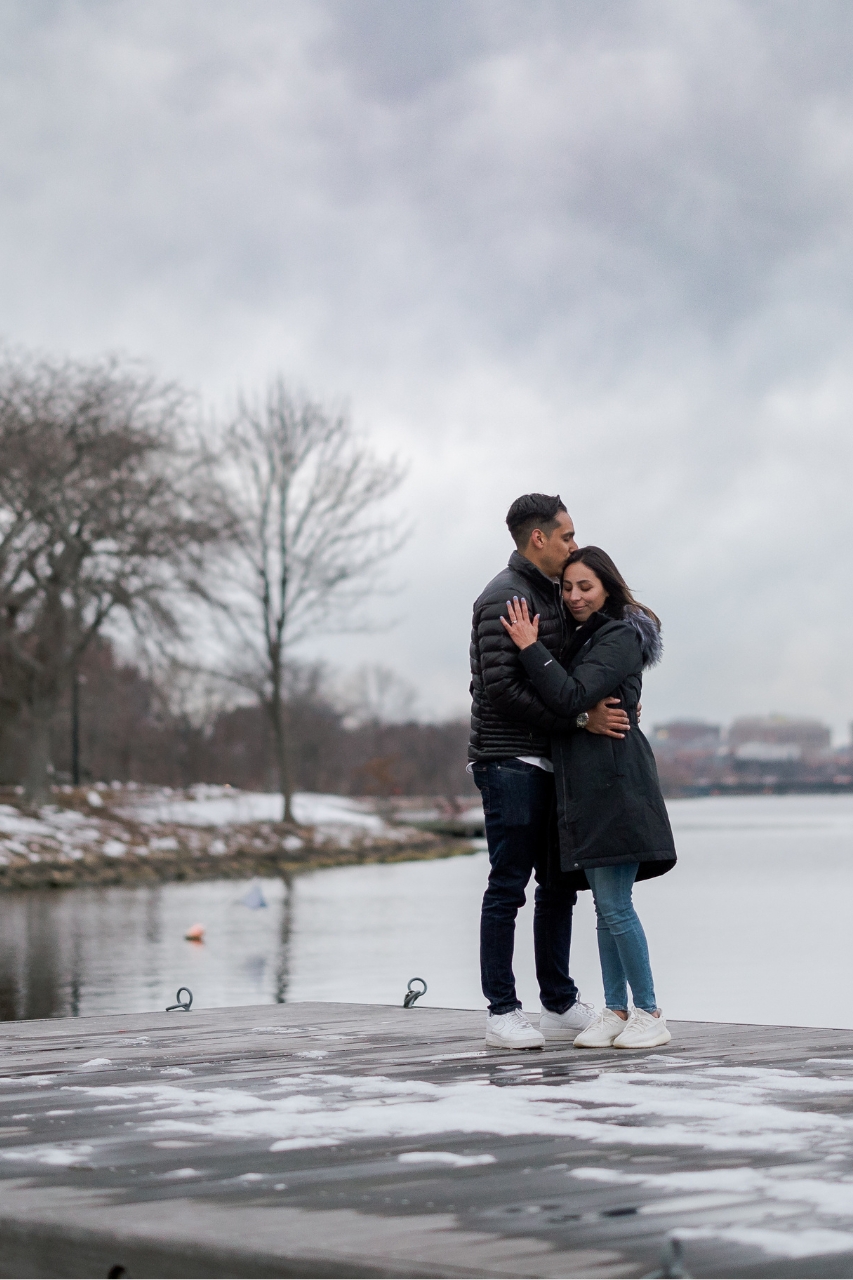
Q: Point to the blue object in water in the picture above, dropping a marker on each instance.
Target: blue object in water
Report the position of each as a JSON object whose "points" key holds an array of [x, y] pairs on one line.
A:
{"points": [[254, 898]]}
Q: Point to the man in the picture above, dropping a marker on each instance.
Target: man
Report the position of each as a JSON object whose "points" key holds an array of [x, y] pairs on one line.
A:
{"points": [[510, 760]]}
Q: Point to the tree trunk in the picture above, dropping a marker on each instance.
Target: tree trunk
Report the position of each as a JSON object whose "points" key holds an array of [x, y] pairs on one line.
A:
{"points": [[278, 719], [10, 743], [36, 784], [75, 727]]}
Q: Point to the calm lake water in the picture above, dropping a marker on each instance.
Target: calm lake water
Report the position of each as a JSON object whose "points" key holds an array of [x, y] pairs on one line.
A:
{"points": [[754, 924]]}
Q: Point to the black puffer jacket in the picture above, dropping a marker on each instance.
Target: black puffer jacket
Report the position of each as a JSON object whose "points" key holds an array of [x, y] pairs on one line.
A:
{"points": [[508, 718], [609, 803]]}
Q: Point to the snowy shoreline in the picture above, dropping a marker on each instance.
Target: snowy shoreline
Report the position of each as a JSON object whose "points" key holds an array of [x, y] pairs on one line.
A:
{"points": [[129, 835]]}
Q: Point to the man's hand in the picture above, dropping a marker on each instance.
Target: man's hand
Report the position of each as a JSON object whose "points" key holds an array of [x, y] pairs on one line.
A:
{"points": [[608, 718]]}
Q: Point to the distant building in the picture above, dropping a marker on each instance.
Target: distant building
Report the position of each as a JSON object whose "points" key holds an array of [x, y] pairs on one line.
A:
{"points": [[787, 739], [767, 752], [690, 735], [686, 752], [758, 754]]}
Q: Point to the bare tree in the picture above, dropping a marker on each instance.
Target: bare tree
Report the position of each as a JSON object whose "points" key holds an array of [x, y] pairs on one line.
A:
{"points": [[308, 495], [102, 510]]}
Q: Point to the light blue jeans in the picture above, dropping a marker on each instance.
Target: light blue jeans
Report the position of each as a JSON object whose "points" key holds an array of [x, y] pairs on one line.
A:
{"points": [[622, 946]]}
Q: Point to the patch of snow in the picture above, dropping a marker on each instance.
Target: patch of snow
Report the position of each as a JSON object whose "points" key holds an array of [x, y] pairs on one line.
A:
{"points": [[443, 1157], [14, 823], [745, 1186], [63, 1156], [115, 848], [61, 818], [750, 1111], [94, 800], [301, 1144], [220, 807], [796, 1243], [166, 843], [96, 1062], [712, 1110]]}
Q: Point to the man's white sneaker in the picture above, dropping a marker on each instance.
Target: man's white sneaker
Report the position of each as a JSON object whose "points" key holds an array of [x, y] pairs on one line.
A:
{"points": [[566, 1025], [512, 1031], [601, 1033], [643, 1031]]}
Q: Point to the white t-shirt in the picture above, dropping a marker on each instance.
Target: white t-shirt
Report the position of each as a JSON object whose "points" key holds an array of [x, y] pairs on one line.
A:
{"points": [[541, 762]]}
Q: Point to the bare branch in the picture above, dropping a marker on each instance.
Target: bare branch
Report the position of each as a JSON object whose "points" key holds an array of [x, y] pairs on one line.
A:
{"points": [[107, 503], [308, 495]]}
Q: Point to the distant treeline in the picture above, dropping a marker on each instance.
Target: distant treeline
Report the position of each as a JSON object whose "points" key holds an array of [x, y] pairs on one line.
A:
{"points": [[130, 732]]}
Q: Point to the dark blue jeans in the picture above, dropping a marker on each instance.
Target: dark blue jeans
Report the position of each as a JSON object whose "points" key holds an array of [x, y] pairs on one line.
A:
{"points": [[518, 801]]}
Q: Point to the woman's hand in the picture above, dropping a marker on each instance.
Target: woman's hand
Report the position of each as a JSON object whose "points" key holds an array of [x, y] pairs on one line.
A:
{"points": [[523, 631]]}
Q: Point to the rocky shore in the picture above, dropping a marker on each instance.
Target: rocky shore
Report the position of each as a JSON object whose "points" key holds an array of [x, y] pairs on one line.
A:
{"points": [[130, 836]]}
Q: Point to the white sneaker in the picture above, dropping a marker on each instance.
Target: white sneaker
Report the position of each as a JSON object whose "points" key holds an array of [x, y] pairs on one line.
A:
{"points": [[566, 1025], [512, 1031], [601, 1033], [643, 1031]]}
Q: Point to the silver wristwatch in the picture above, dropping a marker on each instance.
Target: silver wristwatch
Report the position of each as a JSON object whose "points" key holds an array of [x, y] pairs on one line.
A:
{"points": [[582, 720]]}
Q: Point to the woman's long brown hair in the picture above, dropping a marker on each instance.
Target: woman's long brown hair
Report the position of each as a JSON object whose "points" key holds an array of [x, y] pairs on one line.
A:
{"points": [[619, 594]]}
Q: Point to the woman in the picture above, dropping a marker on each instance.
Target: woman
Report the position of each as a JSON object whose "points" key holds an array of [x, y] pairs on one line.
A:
{"points": [[613, 824]]}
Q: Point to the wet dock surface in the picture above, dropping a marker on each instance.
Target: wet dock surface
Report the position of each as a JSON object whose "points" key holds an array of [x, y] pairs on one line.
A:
{"points": [[347, 1140]]}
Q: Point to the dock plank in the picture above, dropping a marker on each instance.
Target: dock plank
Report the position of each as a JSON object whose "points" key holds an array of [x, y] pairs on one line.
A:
{"points": [[346, 1140]]}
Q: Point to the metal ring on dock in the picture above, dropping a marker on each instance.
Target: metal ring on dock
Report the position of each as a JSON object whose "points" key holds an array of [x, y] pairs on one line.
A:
{"points": [[411, 996], [186, 1005]]}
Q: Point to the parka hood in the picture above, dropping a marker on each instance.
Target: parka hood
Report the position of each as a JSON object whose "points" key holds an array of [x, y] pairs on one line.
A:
{"points": [[649, 634]]}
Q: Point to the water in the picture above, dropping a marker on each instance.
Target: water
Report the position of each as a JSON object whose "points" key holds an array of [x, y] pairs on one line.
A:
{"points": [[753, 925]]}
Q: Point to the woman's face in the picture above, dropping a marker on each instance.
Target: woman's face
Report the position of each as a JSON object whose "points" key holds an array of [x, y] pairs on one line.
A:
{"points": [[583, 592]]}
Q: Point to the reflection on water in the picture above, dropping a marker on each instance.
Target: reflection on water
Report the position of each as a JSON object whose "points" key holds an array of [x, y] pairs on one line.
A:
{"points": [[753, 925], [88, 951]]}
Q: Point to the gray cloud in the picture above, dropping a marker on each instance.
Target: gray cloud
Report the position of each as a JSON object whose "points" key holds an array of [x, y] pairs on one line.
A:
{"points": [[601, 249]]}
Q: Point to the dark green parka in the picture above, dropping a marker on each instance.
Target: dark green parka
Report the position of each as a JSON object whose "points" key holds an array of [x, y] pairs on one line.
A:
{"points": [[609, 803]]}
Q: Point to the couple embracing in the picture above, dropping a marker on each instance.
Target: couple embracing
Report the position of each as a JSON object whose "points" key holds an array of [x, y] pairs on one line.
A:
{"points": [[569, 784]]}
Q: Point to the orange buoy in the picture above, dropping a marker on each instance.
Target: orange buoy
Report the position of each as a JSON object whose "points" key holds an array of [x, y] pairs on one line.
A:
{"points": [[195, 933]]}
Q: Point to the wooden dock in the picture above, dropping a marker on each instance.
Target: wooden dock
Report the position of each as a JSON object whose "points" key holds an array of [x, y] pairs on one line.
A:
{"points": [[351, 1140]]}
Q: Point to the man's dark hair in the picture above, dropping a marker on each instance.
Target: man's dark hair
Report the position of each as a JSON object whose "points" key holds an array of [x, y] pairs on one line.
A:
{"points": [[533, 511]]}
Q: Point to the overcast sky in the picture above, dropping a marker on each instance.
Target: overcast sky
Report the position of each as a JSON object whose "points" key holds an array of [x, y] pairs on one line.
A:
{"points": [[589, 247]]}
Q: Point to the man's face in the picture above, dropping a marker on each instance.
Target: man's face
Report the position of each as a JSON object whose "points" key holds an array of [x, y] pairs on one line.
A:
{"points": [[553, 549]]}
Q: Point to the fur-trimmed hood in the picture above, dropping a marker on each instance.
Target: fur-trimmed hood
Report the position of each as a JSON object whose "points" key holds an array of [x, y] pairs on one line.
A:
{"points": [[649, 634]]}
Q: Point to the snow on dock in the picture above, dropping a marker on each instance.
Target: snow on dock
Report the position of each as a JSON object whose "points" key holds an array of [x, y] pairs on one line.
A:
{"points": [[347, 1140]]}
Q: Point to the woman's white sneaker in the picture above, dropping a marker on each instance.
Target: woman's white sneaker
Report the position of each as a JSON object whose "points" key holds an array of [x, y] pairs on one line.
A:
{"points": [[643, 1031], [512, 1031], [566, 1025], [601, 1033]]}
